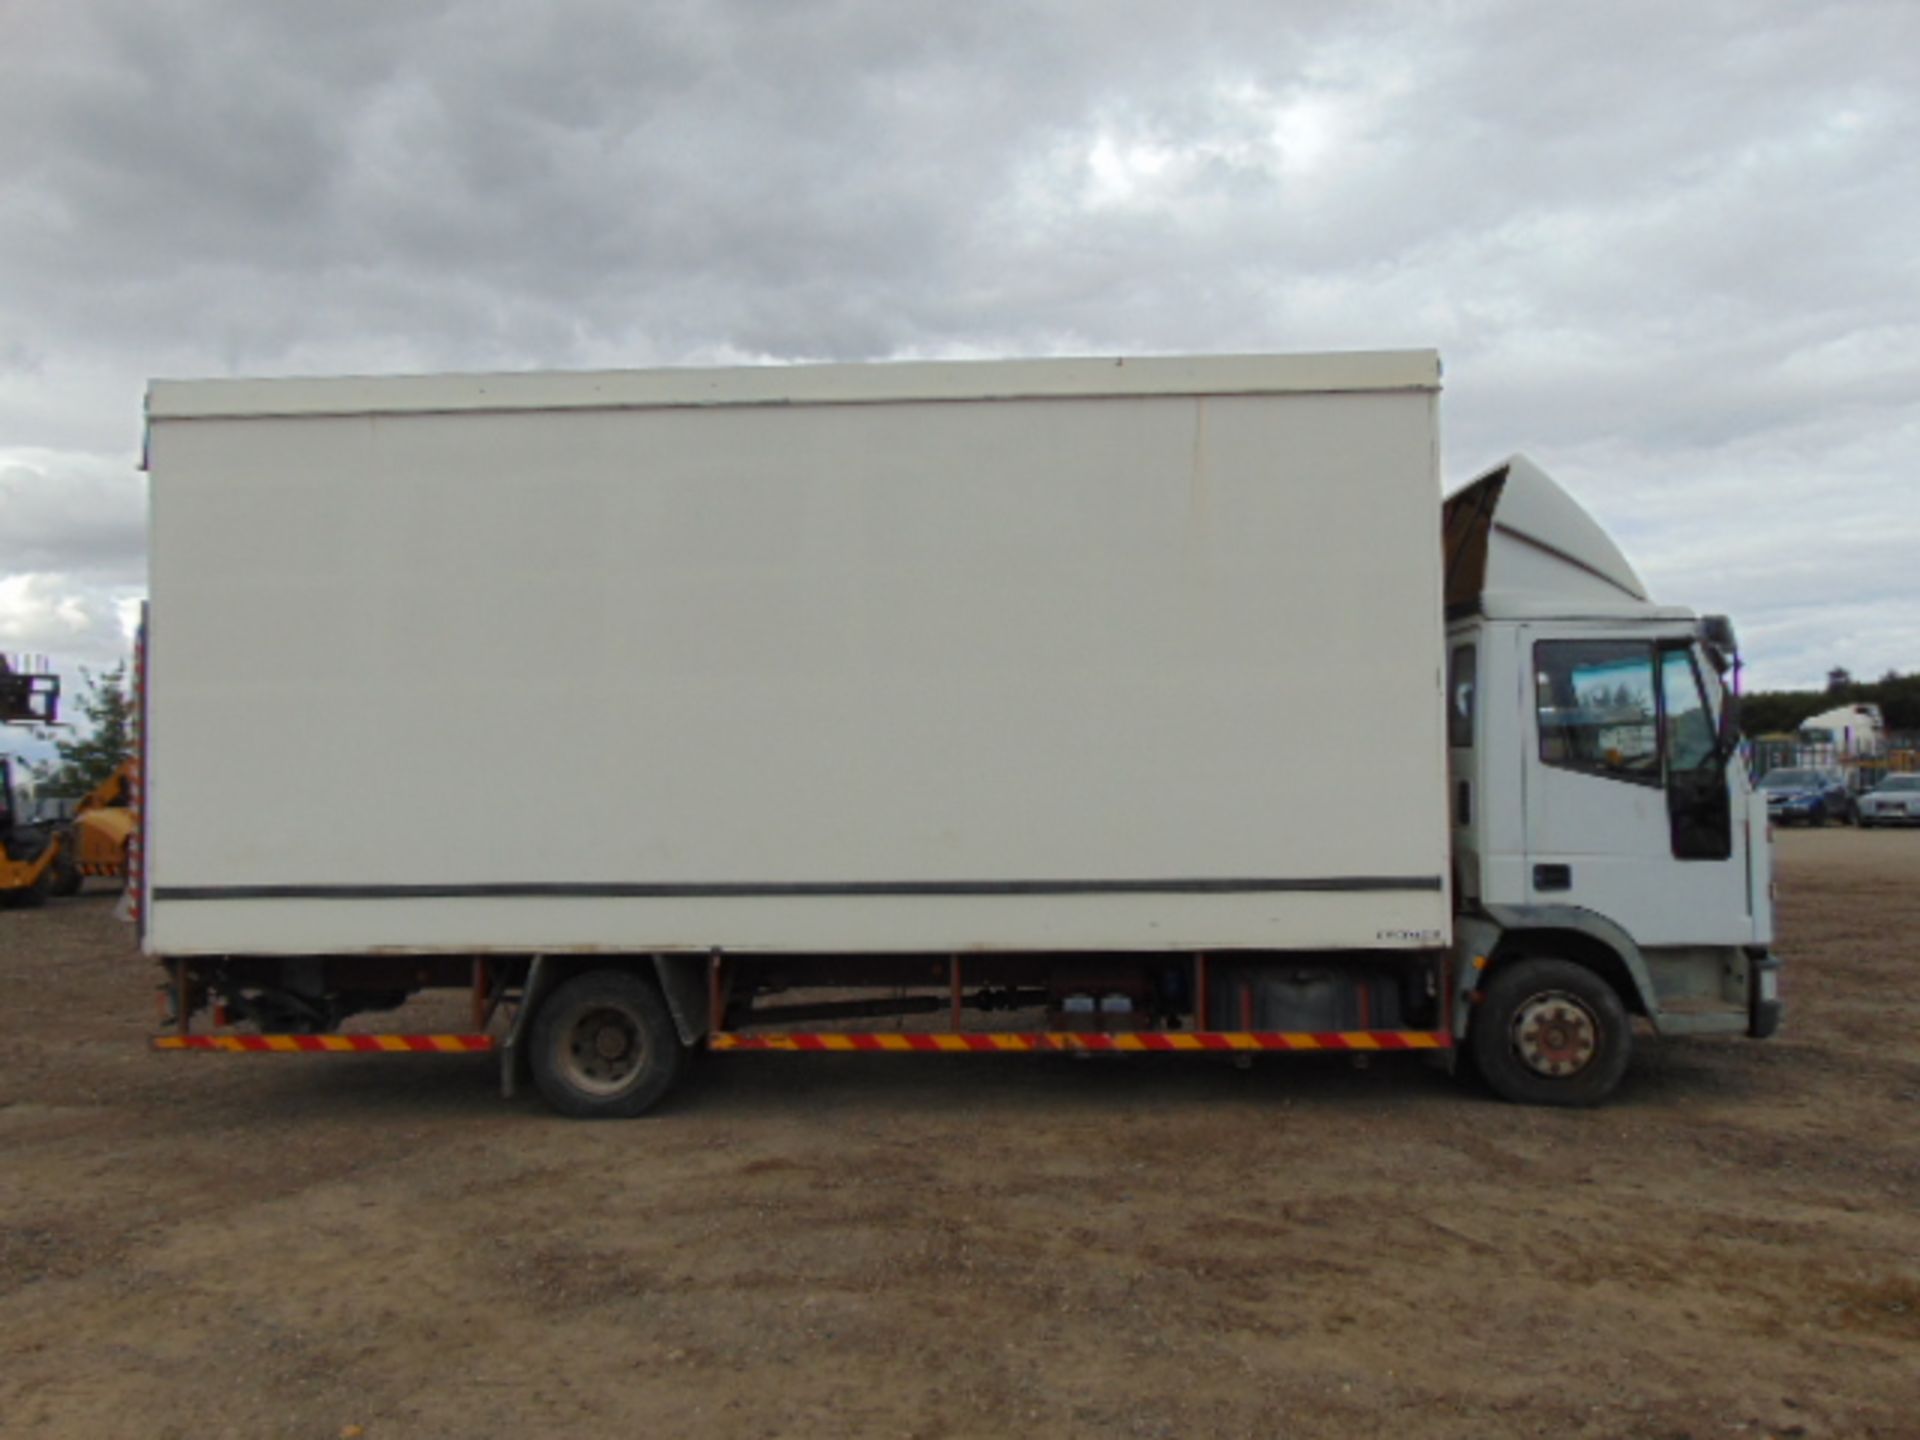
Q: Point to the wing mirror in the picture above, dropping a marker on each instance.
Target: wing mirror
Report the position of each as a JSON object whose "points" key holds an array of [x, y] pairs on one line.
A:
{"points": [[1717, 638], [1723, 653]]}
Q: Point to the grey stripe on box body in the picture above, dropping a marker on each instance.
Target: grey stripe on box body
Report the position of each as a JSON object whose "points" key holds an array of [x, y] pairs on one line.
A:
{"points": [[593, 890]]}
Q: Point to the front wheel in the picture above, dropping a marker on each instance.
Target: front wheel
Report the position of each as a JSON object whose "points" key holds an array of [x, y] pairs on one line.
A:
{"points": [[1551, 1032], [604, 1046], [29, 897]]}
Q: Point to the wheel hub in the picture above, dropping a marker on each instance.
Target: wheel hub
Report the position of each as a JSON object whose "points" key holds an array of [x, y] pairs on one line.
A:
{"points": [[611, 1043], [1555, 1034], [604, 1048]]}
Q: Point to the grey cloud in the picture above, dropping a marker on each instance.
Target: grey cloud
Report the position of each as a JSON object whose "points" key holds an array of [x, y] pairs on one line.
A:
{"points": [[81, 515], [72, 620]]}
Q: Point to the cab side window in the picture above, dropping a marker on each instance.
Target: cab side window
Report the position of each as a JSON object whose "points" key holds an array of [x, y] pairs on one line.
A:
{"points": [[1690, 738], [1461, 665], [1596, 707]]}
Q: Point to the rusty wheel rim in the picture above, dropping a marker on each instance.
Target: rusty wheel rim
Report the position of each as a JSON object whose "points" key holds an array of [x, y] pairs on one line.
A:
{"points": [[1555, 1034], [603, 1050]]}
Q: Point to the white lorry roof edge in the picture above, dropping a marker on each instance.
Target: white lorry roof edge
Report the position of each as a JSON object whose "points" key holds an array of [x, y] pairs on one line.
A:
{"points": [[878, 383]]}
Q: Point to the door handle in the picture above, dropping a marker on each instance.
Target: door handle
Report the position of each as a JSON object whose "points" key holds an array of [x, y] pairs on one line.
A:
{"points": [[1553, 877]]}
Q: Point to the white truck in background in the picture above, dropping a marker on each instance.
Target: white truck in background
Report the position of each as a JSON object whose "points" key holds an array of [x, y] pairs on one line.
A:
{"points": [[1077, 705], [1846, 733]]}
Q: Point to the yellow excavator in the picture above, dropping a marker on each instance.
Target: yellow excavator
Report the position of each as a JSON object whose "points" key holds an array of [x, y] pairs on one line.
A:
{"points": [[29, 851], [95, 841]]}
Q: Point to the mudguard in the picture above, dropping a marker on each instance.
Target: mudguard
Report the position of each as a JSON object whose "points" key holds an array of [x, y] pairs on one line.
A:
{"points": [[1480, 935], [683, 980]]}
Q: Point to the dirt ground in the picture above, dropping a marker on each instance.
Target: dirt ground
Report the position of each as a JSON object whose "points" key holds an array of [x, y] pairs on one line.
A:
{"points": [[203, 1245]]}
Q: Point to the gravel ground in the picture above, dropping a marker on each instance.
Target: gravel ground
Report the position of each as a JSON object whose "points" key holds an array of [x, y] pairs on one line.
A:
{"points": [[326, 1246]]}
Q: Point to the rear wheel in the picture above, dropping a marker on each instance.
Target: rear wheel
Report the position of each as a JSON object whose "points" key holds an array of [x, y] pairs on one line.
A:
{"points": [[604, 1046], [1551, 1032]]}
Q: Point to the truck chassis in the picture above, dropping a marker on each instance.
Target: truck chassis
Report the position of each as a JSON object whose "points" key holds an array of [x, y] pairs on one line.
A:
{"points": [[587, 1058]]}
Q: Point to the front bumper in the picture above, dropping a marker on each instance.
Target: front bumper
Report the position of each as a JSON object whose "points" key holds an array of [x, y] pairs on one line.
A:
{"points": [[1764, 1007], [1875, 815]]}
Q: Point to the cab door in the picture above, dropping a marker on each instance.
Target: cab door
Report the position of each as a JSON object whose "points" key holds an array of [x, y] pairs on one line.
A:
{"points": [[1627, 801]]}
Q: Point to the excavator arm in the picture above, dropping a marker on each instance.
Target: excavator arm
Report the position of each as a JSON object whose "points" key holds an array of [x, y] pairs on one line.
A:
{"points": [[114, 791]]}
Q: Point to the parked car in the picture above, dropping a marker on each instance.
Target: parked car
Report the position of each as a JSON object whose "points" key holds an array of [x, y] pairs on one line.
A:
{"points": [[1894, 801], [1806, 796]]}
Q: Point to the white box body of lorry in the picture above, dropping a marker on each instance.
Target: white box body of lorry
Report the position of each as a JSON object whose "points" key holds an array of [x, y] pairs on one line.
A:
{"points": [[1038, 656]]}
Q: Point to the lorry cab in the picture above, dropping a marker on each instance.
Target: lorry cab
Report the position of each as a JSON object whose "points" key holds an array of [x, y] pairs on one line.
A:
{"points": [[1600, 814]]}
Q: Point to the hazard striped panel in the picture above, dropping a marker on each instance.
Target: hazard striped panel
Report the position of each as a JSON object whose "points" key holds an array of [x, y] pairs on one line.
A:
{"points": [[1130, 1043], [944, 1043], [328, 1044]]}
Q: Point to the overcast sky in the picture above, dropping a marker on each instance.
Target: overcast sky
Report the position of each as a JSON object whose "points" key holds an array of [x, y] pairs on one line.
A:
{"points": [[1669, 250]]}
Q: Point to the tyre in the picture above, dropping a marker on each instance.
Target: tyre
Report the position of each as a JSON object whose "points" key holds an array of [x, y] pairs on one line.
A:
{"points": [[604, 1046], [66, 877], [31, 897], [1551, 1032]]}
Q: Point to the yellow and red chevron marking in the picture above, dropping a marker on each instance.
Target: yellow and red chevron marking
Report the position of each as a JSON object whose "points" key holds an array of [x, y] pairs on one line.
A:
{"points": [[1129, 1042], [328, 1044]]}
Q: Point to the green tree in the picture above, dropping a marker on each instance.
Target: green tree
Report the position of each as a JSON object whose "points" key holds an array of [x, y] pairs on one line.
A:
{"points": [[97, 748]]}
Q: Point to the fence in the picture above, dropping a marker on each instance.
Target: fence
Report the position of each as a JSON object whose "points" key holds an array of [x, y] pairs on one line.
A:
{"points": [[1897, 753]]}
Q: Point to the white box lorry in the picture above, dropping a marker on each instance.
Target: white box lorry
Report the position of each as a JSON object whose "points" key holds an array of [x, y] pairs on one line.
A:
{"points": [[1090, 705]]}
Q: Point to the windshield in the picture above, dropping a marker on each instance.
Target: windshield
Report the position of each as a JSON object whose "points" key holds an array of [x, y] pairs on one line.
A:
{"points": [[1789, 780], [1901, 782]]}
